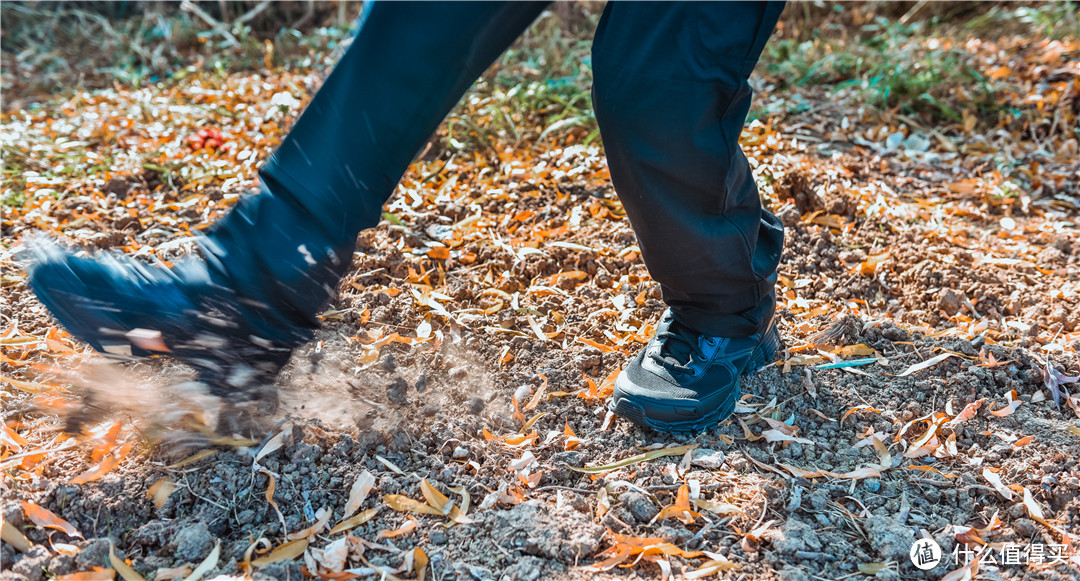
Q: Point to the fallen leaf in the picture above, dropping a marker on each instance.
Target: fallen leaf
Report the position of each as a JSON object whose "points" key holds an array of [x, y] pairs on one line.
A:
{"points": [[288, 551], [358, 493], [46, 519], [539, 395], [207, 565], [405, 504], [1033, 508], [673, 451], [160, 491], [107, 464], [14, 537], [869, 266], [97, 574], [1023, 441], [171, 573], [1010, 407], [273, 444], [717, 563], [680, 509], [354, 521], [408, 527], [858, 408], [322, 517], [572, 441], [778, 436], [924, 365], [435, 499], [720, 508], [967, 413], [196, 457], [995, 482], [121, 567], [332, 557], [872, 568], [420, 563], [626, 546]]}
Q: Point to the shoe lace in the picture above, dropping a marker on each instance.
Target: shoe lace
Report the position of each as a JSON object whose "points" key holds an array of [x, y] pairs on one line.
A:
{"points": [[678, 348]]}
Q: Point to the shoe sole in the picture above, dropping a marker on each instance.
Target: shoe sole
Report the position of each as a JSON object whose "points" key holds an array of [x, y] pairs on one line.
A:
{"points": [[208, 364], [638, 413]]}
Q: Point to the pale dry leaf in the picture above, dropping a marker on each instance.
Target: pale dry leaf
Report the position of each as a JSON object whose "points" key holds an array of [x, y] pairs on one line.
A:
{"points": [[997, 484], [358, 493], [207, 565]]}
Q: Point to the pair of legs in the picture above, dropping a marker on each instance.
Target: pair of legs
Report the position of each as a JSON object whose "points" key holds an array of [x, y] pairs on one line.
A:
{"points": [[670, 94]]}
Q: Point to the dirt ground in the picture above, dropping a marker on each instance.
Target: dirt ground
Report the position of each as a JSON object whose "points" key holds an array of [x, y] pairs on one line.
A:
{"points": [[476, 338]]}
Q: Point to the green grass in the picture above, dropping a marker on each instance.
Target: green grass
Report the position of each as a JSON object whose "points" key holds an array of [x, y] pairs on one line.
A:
{"points": [[919, 68], [538, 93]]}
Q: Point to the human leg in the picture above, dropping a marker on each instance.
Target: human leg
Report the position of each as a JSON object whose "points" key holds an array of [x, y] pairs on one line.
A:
{"points": [[273, 263], [671, 94]]}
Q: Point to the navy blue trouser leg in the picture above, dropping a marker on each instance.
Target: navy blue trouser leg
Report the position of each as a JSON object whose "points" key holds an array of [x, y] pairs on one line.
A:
{"points": [[407, 67], [671, 96]]}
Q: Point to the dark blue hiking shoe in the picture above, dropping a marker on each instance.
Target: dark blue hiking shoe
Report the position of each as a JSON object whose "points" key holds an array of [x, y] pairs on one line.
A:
{"points": [[128, 308], [267, 269], [683, 381]]}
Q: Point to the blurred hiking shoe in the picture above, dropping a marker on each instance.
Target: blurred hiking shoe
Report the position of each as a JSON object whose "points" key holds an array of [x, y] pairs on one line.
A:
{"points": [[235, 315], [683, 381]]}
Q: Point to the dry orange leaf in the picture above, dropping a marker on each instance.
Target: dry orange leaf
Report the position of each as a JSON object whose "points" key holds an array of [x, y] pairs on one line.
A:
{"points": [[1023, 441], [967, 413], [869, 266], [1010, 408], [435, 499], [107, 464], [439, 253], [517, 410], [420, 563], [98, 574], [681, 509], [408, 527], [12, 439], [858, 408], [160, 491], [626, 546], [599, 346], [405, 504], [46, 519], [108, 442], [572, 441], [539, 395], [927, 468], [26, 386]]}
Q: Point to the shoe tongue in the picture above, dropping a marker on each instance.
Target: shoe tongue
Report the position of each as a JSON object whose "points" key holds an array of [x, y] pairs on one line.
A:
{"points": [[678, 346]]}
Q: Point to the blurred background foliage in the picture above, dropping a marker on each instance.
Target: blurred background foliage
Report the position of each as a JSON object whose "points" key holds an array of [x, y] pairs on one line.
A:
{"points": [[911, 57]]}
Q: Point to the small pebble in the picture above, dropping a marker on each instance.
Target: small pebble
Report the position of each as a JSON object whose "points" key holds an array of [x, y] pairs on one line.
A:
{"points": [[872, 484], [395, 392], [388, 363], [461, 452], [421, 383]]}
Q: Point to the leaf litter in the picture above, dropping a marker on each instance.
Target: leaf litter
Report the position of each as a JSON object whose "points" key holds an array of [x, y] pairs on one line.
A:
{"points": [[948, 286]]}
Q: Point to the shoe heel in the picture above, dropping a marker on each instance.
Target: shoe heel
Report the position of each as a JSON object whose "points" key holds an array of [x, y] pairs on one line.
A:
{"points": [[765, 352]]}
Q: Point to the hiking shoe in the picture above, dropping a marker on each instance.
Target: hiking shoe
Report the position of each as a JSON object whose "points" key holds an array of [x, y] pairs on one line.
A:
{"points": [[128, 308], [683, 381]]}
